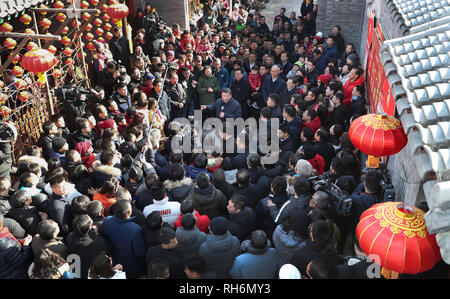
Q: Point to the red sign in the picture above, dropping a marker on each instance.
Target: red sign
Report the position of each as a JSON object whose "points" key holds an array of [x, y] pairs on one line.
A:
{"points": [[378, 90]]}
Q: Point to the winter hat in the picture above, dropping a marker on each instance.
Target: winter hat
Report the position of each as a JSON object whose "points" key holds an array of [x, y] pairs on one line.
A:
{"points": [[304, 168], [218, 225], [58, 143], [289, 271], [299, 63], [323, 78], [128, 148], [136, 174], [106, 124]]}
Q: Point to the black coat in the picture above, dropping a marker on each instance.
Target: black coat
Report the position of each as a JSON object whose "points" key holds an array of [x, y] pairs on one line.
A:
{"points": [[172, 256], [28, 218], [248, 191], [45, 142], [226, 189], [240, 90], [14, 258], [265, 180], [326, 150], [87, 248], [357, 107], [287, 95], [264, 218], [242, 224], [151, 235], [139, 217], [279, 215], [338, 115], [61, 212], [288, 145], [303, 256], [240, 160]]}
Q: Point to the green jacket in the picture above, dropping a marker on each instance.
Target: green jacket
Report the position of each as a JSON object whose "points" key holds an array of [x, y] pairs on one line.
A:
{"points": [[206, 97]]}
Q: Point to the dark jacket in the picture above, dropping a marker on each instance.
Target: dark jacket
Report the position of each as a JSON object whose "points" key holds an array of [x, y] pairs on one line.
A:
{"points": [[280, 215], [137, 214], [209, 201], [265, 180], [14, 258], [286, 242], [172, 256], [226, 189], [189, 241], [287, 96], [326, 150], [151, 235], [28, 218], [361, 201], [61, 212], [303, 256], [219, 253], [357, 107], [338, 115], [242, 224], [248, 191], [127, 239], [45, 142], [191, 172], [5, 159], [240, 91], [87, 248], [264, 218], [294, 129], [232, 109], [288, 145], [204, 96], [269, 86], [102, 172], [240, 160]]}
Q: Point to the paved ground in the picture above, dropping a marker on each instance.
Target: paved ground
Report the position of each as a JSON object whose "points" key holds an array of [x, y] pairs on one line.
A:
{"points": [[273, 8]]}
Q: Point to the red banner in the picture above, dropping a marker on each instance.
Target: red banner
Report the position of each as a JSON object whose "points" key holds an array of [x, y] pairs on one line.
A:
{"points": [[378, 90]]}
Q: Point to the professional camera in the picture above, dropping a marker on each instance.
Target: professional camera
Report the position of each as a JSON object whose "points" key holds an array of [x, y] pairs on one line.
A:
{"points": [[8, 132], [340, 200], [386, 183], [69, 93], [74, 103]]}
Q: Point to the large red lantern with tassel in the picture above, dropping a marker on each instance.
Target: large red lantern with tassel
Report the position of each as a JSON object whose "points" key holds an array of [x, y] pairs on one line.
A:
{"points": [[396, 236], [38, 61], [117, 11], [377, 135]]}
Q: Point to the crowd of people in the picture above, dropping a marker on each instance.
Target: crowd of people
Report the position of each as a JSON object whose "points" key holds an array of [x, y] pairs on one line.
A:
{"points": [[103, 182]]}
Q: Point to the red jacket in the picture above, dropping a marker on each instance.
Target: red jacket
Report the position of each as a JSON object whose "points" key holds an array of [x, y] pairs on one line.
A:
{"points": [[314, 125], [202, 222], [348, 88], [254, 81], [318, 163]]}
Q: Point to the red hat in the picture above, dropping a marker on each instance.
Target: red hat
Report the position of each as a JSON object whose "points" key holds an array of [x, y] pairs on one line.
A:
{"points": [[106, 124], [324, 79]]}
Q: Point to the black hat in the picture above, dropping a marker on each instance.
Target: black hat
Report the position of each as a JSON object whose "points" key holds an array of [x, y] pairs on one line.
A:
{"points": [[218, 225], [128, 148], [136, 174], [58, 143]]}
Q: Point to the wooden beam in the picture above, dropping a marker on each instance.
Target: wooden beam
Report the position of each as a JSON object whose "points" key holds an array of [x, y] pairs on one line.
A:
{"points": [[32, 36]]}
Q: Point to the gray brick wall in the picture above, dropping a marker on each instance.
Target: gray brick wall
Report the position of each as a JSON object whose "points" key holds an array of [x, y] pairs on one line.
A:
{"points": [[344, 13], [171, 11]]}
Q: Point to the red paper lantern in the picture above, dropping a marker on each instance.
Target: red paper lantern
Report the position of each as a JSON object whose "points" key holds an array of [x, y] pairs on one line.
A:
{"points": [[101, 40], [67, 51], [6, 27], [16, 58], [20, 84], [26, 19], [99, 31], [61, 17], [106, 18], [52, 49], [107, 27], [397, 235], [43, 12], [109, 35], [10, 43], [90, 46], [84, 4], [31, 46], [38, 61], [104, 7], [28, 31], [45, 23], [117, 11], [111, 2], [17, 71], [65, 30], [89, 36], [3, 98], [378, 135], [85, 16], [58, 4], [94, 2], [23, 96], [5, 111], [57, 73], [98, 22], [65, 40], [69, 61], [88, 27]]}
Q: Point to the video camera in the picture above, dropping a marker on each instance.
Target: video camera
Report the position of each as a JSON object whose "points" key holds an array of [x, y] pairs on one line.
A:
{"points": [[340, 200], [386, 183], [70, 94]]}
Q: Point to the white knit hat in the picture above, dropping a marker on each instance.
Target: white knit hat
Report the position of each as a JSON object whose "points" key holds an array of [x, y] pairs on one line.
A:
{"points": [[304, 168], [289, 271]]}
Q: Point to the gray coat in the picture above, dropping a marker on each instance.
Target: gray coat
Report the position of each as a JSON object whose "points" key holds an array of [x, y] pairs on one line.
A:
{"points": [[286, 243], [219, 253]]}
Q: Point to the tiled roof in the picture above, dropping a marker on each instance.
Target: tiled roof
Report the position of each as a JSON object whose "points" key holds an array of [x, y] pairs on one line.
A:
{"points": [[10, 7], [412, 13], [417, 68]]}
